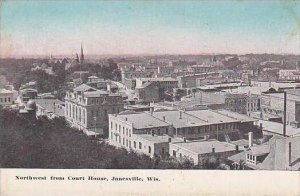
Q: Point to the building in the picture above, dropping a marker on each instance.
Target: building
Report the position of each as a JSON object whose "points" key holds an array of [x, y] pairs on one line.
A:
{"points": [[198, 151], [163, 71], [87, 108], [242, 103], [6, 97], [190, 81], [28, 93], [154, 89], [279, 153], [290, 74], [150, 132], [130, 74], [50, 108], [140, 132], [272, 106], [102, 84], [204, 68]]}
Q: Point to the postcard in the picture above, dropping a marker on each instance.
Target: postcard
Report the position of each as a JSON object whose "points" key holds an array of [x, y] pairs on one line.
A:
{"points": [[149, 97]]}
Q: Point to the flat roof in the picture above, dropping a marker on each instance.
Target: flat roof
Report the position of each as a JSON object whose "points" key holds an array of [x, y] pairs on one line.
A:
{"points": [[212, 117], [96, 93], [237, 116], [154, 139], [204, 147], [143, 120], [277, 128], [191, 118], [49, 105]]}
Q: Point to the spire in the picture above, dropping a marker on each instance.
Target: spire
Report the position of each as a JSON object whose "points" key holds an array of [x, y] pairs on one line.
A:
{"points": [[81, 54]]}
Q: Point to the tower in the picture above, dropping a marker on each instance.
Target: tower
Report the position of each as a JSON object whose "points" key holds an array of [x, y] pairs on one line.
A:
{"points": [[81, 54]]}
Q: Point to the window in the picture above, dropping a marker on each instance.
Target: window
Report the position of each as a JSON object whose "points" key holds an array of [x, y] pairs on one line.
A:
{"points": [[174, 153], [123, 141], [149, 149], [126, 142], [129, 144], [134, 144], [116, 126], [123, 130], [140, 145], [1, 99], [120, 139], [9, 99], [111, 125], [126, 131], [4, 99]]}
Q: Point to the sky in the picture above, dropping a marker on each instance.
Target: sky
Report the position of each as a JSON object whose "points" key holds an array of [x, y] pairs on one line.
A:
{"points": [[148, 27]]}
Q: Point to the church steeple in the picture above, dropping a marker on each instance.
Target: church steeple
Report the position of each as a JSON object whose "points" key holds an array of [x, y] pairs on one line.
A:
{"points": [[81, 54]]}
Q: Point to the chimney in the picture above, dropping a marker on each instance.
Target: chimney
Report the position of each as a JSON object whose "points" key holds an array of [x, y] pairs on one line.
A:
{"points": [[250, 134], [236, 148], [213, 150], [170, 139], [290, 153], [151, 110], [260, 127], [180, 114]]}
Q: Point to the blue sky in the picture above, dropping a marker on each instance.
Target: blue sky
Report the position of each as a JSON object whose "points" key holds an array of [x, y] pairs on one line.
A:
{"points": [[154, 27]]}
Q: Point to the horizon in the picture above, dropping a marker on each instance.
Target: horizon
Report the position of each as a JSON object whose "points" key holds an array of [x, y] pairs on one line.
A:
{"points": [[133, 28]]}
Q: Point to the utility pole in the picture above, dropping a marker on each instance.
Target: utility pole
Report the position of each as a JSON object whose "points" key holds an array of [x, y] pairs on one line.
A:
{"points": [[284, 115]]}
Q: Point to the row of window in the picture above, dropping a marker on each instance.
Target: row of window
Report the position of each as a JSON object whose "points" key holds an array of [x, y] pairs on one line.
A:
{"points": [[75, 112], [251, 158], [205, 129], [122, 129], [5, 100], [128, 143]]}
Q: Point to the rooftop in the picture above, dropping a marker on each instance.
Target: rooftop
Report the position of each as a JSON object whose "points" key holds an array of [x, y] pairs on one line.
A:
{"points": [[51, 105], [142, 120], [4, 91], [237, 116], [154, 139], [277, 128], [84, 87], [204, 147]]}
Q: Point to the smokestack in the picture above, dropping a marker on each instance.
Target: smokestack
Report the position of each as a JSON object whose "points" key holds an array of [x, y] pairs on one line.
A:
{"points": [[250, 139], [290, 153], [180, 114]]}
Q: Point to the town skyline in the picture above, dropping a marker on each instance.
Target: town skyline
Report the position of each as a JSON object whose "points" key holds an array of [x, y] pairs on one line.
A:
{"points": [[149, 28]]}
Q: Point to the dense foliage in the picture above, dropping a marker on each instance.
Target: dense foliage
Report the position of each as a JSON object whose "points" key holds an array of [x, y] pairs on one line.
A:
{"points": [[44, 143]]}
